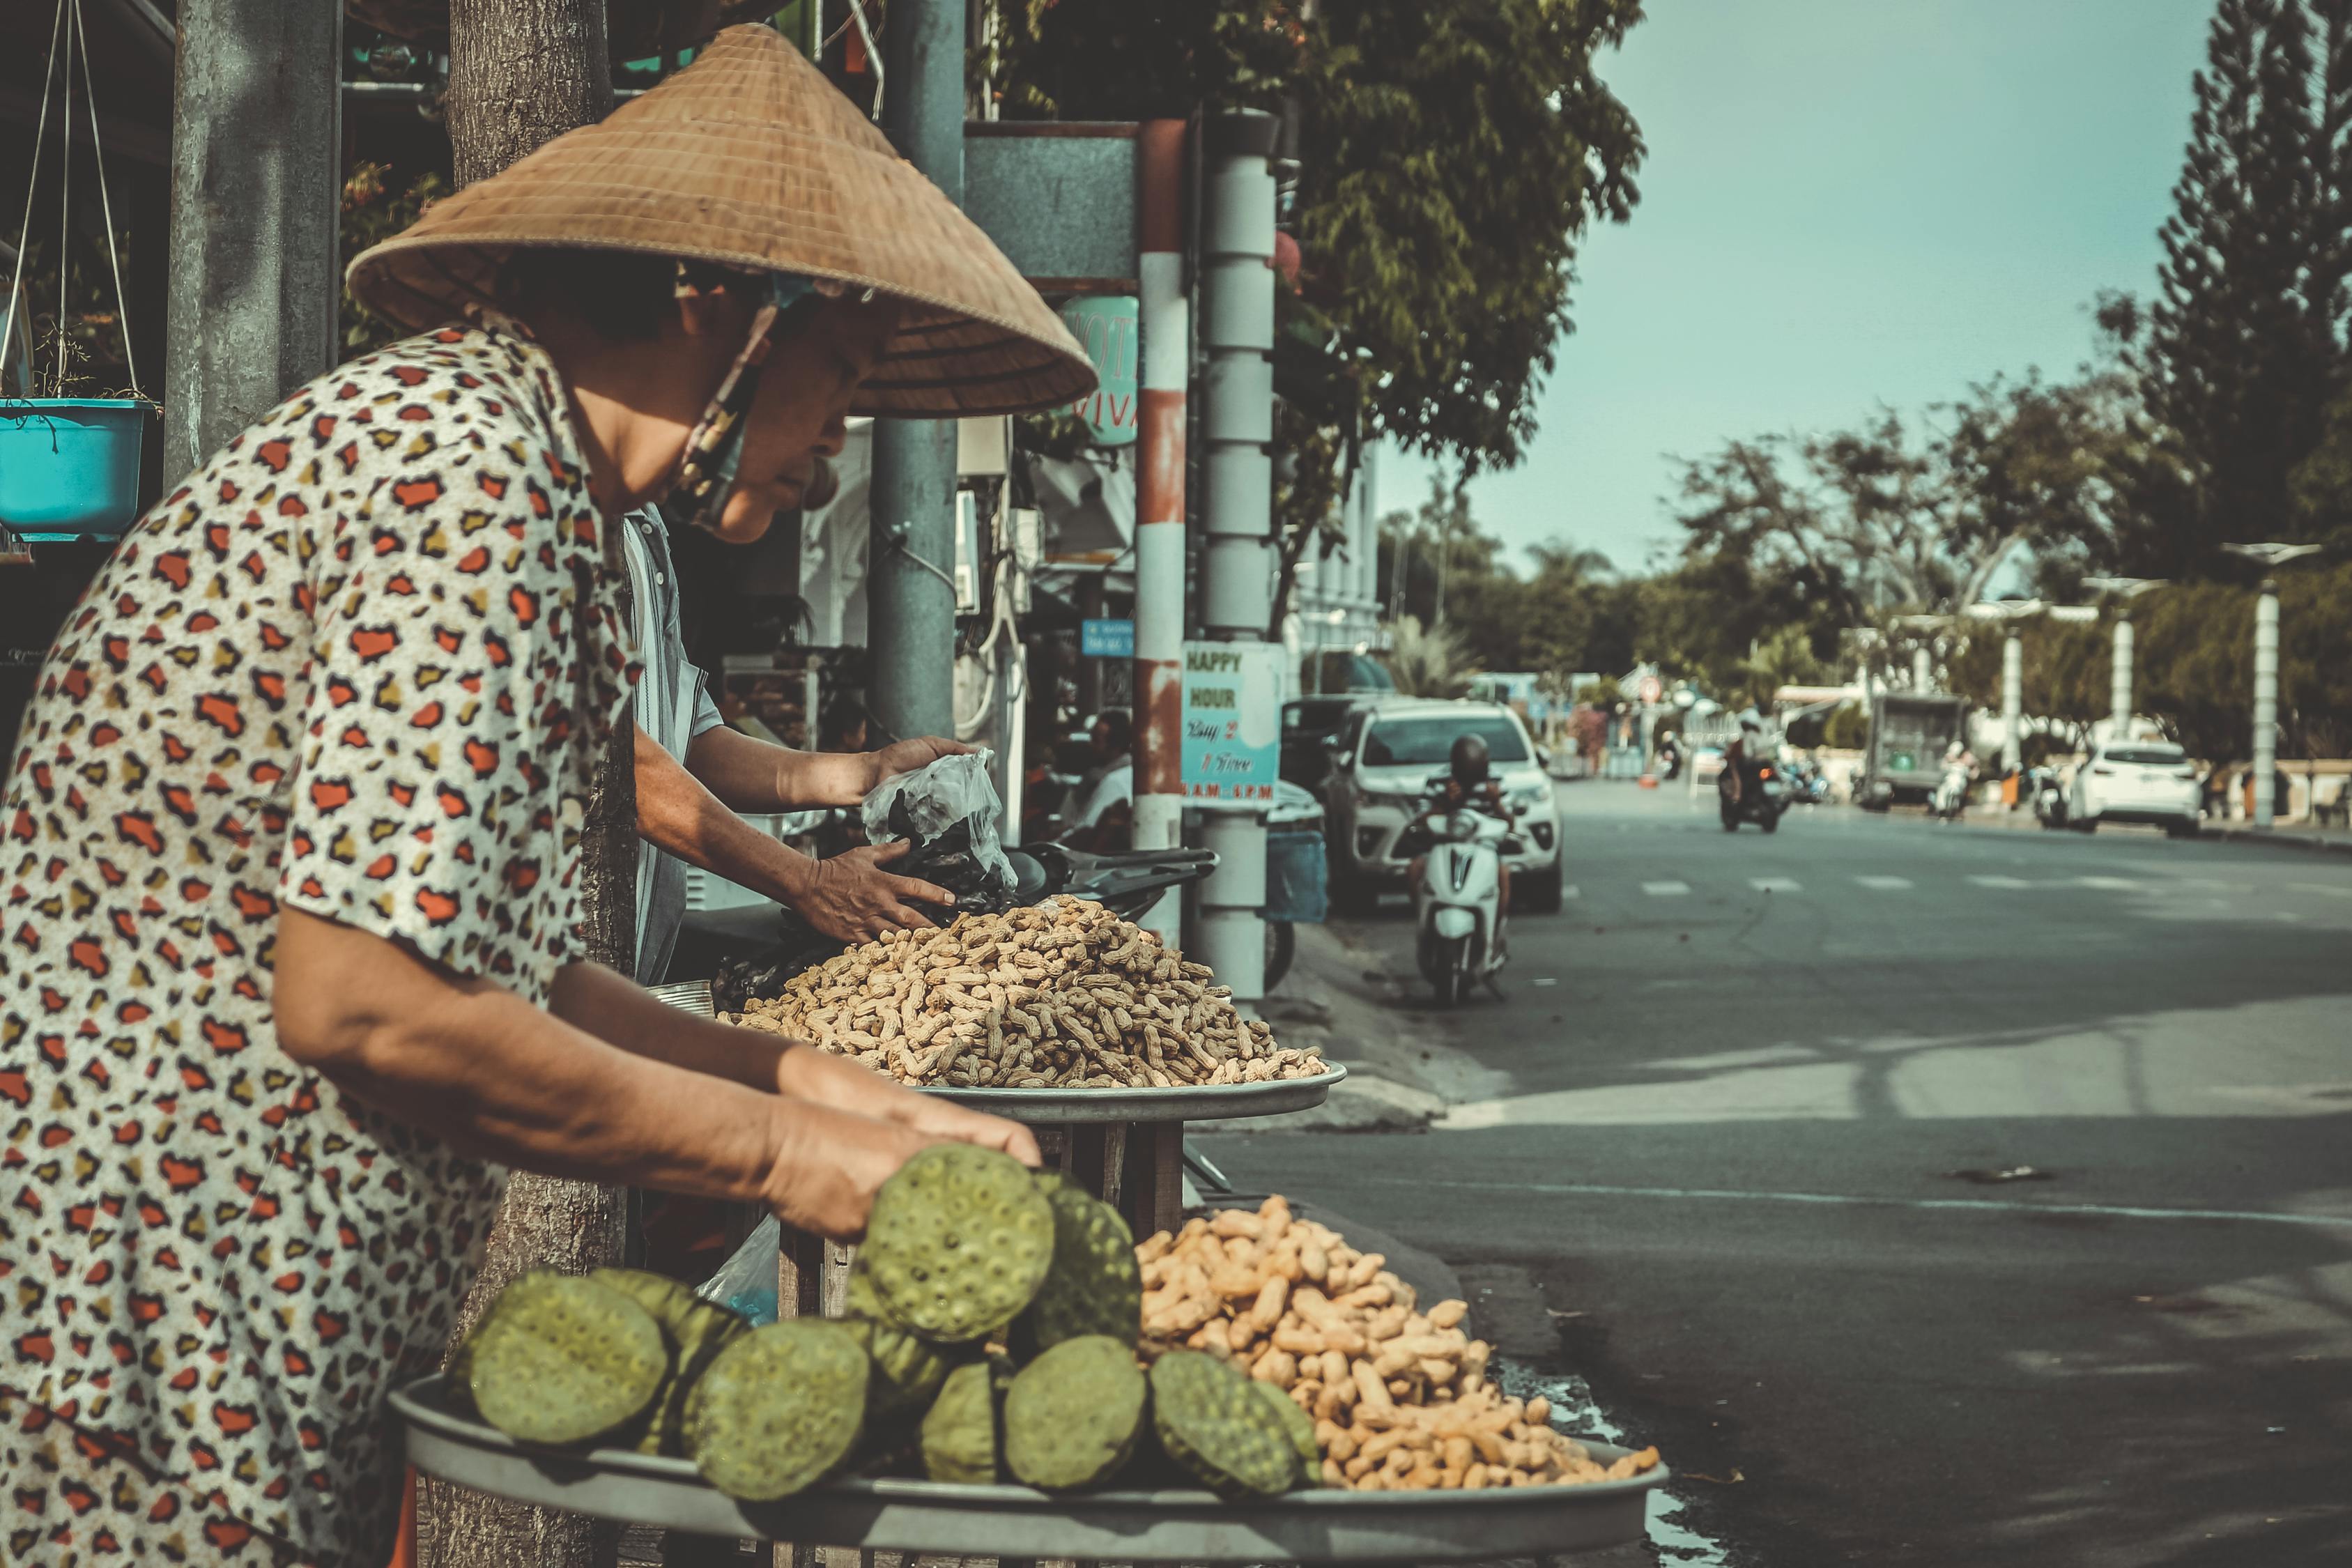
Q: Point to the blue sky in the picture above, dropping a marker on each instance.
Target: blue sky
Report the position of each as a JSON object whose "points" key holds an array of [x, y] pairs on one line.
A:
{"points": [[1845, 204]]}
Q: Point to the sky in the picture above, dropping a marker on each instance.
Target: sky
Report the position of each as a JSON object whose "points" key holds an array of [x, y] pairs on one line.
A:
{"points": [[1845, 205]]}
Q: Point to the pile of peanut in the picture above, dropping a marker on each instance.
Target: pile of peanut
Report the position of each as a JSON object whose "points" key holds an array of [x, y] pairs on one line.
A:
{"points": [[1065, 994], [1400, 1396]]}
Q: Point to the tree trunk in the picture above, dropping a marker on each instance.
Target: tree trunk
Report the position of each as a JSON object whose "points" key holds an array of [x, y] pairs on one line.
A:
{"points": [[523, 73]]}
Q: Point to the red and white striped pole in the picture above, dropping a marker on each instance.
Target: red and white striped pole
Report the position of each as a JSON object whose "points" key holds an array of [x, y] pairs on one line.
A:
{"points": [[1165, 317]]}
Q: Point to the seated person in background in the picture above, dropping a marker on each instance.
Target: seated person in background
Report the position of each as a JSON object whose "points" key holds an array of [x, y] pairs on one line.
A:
{"points": [[844, 726], [1105, 816]]}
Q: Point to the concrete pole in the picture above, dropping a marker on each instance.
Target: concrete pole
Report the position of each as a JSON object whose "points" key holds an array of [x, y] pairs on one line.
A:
{"points": [[2119, 684], [1367, 537], [1922, 669], [909, 587], [1236, 576], [2266, 634], [2012, 703], [1165, 311], [256, 118]]}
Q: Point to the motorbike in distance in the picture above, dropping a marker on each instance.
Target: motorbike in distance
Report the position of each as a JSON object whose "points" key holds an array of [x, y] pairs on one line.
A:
{"points": [[1951, 796], [1763, 795], [1457, 901]]}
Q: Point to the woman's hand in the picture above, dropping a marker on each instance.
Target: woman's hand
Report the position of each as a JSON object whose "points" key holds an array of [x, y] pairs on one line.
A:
{"points": [[906, 756], [805, 1072], [851, 899], [829, 1165]]}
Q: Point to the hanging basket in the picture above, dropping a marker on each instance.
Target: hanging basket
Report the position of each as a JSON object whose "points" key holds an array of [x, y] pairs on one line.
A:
{"points": [[70, 466]]}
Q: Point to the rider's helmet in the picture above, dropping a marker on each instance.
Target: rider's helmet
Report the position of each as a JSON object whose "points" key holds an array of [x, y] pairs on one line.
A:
{"points": [[1751, 720], [1469, 759]]}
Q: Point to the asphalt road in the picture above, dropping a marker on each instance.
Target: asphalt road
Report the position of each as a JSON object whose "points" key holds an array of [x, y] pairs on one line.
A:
{"points": [[1732, 1085]]}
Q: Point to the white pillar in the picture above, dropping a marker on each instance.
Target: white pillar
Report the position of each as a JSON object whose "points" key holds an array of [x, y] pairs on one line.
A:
{"points": [[2266, 634], [2012, 703], [1237, 209], [2119, 686], [1165, 313], [1922, 669]]}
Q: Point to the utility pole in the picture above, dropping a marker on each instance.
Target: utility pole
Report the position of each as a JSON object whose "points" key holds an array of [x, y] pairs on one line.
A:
{"points": [[521, 73], [2266, 650], [1165, 312], [909, 583], [2120, 682], [2012, 703], [1236, 576], [256, 138], [1922, 669]]}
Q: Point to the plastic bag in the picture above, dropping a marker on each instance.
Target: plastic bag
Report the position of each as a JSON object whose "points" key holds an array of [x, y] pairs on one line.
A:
{"points": [[948, 810], [746, 1282]]}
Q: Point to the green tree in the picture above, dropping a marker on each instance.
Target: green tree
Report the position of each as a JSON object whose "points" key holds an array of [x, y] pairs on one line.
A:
{"points": [[1427, 661]]}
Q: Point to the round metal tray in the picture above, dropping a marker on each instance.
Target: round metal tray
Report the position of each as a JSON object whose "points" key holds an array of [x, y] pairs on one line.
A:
{"points": [[1016, 1522], [1209, 1102]]}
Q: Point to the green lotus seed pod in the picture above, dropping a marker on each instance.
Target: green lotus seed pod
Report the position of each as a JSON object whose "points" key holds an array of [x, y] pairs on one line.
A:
{"points": [[696, 1332], [1072, 1415], [959, 1433], [560, 1359], [1210, 1422], [958, 1242], [907, 1371], [779, 1410], [1095, 1286], [1298, 1426]]}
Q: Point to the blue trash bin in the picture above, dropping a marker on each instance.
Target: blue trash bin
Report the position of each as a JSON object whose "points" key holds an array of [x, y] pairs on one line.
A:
{"points": [[1298, 882], [70, 466]]}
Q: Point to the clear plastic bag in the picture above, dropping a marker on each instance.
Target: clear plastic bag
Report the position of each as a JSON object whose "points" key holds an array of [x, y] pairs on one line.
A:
{"points": [[746, 1282], [950, 809]]}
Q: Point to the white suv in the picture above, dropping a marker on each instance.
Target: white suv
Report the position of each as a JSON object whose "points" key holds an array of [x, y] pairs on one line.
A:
{"points": [[1382, 762], [2135, 780]]}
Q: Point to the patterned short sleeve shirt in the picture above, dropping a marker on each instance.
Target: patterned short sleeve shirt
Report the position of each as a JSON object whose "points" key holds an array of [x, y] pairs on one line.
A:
{"points": [[359, 665]]}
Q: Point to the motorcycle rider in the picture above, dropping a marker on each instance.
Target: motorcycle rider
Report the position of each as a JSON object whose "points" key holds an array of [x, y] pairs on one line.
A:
{"points": [[1960, 768], [1745, 756], [1469, 782]]}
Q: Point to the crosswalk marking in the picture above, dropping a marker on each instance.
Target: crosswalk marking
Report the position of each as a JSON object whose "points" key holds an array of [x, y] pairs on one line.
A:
{"points": [[1666, 889], [1885, 884], [2109, 884], [1776, 884], [1572, 891], [2332, 890], [2000, 882]]}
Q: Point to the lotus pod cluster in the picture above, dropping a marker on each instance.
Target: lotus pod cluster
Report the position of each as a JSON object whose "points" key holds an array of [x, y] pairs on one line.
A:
{"points": [[780, 1409], [559, 1359], [907, 1368], [1095, 1286], [958, 1242], [695, 1330], [1072, 1415], [1211, 1420], [959, 1435]]}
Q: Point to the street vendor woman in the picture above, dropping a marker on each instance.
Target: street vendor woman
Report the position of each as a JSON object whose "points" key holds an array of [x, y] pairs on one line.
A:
{"points": [[288, 850]]}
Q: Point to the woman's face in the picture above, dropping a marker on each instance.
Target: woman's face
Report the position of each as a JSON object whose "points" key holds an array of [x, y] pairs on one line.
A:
{"points": [[799, 412]]}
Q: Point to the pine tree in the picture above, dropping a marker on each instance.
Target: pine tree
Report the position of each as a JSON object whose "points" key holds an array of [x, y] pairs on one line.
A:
{"points": [[2245, 342]]}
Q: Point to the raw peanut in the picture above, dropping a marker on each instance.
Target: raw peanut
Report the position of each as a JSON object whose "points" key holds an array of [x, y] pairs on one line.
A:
{"points": [[1448, 1314], [1356, 1468], [1539, 1411], [1335, 1440], [1459, 1454], [1370, 1387], [1299, 1341], [1381, 1445], [1234, 1280], [1490, 1447], [1314, 1263], [1385, 1325], [1436, 1371], [1271, 1298], [1332, 1474], [1400, 1464], [1326, 1403], [1474, 1479], [1334, 1367], [1237, 1223], [1366, 1268], [1392, 1360], [1279, 1368]]}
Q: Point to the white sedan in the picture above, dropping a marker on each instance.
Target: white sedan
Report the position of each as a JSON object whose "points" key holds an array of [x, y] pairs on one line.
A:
{"points": [[2135, 780]]}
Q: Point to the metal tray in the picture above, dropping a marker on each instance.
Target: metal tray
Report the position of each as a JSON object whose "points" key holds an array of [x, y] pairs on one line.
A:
{"points": [[1210, 1102], [1016, 1522]]}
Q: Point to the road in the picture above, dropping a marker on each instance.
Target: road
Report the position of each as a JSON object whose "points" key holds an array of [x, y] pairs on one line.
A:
{"points": [[1713, 1163]]}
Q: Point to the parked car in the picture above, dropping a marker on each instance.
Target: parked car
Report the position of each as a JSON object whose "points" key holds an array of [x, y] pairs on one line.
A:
{"points": [[2135, 780], [1380, 764]]}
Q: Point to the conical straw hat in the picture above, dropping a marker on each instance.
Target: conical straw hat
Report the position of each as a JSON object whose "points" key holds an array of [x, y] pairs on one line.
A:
{"points": [[750, 157]]}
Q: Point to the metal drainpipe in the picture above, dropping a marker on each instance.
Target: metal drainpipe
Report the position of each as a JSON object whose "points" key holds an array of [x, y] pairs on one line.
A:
{"points": [[910, 591], [1167, 321], [1237, 423], [2266, 638], [2012, 703], [2119, 681]]}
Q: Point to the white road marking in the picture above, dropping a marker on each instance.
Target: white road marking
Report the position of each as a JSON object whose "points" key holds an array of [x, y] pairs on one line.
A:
{"points": [[1572, 891], [1885, 884], [2110, 884], [1666, 889], [2330, 889], [2003, 882], [1776, 884]]}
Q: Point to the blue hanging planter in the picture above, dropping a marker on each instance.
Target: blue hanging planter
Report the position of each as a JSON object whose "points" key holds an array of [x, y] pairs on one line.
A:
{"points": [[70, 466]]}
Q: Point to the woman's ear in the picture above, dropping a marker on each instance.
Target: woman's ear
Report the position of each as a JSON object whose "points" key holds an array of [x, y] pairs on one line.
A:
{"points": [[709, 313]]}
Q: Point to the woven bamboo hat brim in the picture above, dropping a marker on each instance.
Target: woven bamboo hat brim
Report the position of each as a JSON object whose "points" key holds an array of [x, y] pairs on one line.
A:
{"points": [[750, 157]]}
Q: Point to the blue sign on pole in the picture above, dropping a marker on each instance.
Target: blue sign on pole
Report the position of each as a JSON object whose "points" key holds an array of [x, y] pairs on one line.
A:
{"points": [[1107, 639]]}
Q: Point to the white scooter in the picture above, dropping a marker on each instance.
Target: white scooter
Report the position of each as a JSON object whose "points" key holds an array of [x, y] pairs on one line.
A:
{"points": [[1457, 903], [1951, 796]]}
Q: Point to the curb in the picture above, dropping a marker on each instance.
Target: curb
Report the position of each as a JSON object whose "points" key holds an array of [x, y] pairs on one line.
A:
{"points": [[2277, 840]]}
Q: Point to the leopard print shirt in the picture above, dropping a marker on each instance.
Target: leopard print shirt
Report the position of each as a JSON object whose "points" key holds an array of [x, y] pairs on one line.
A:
{"points": [[359, 665]]}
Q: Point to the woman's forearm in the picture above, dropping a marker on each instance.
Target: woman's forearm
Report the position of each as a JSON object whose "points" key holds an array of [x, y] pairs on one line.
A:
{"points": [[679, 814]]}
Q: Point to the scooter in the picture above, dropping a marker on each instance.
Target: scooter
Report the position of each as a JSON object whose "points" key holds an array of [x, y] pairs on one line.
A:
{"points": [[1458, 901], [1763, 796], [1951, 796], [2049, 800]]}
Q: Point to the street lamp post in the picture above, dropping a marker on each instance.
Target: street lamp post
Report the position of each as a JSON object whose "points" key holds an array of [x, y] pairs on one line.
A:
{"points": [[2267, 643], [2012, 703], [2120, 682]]}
